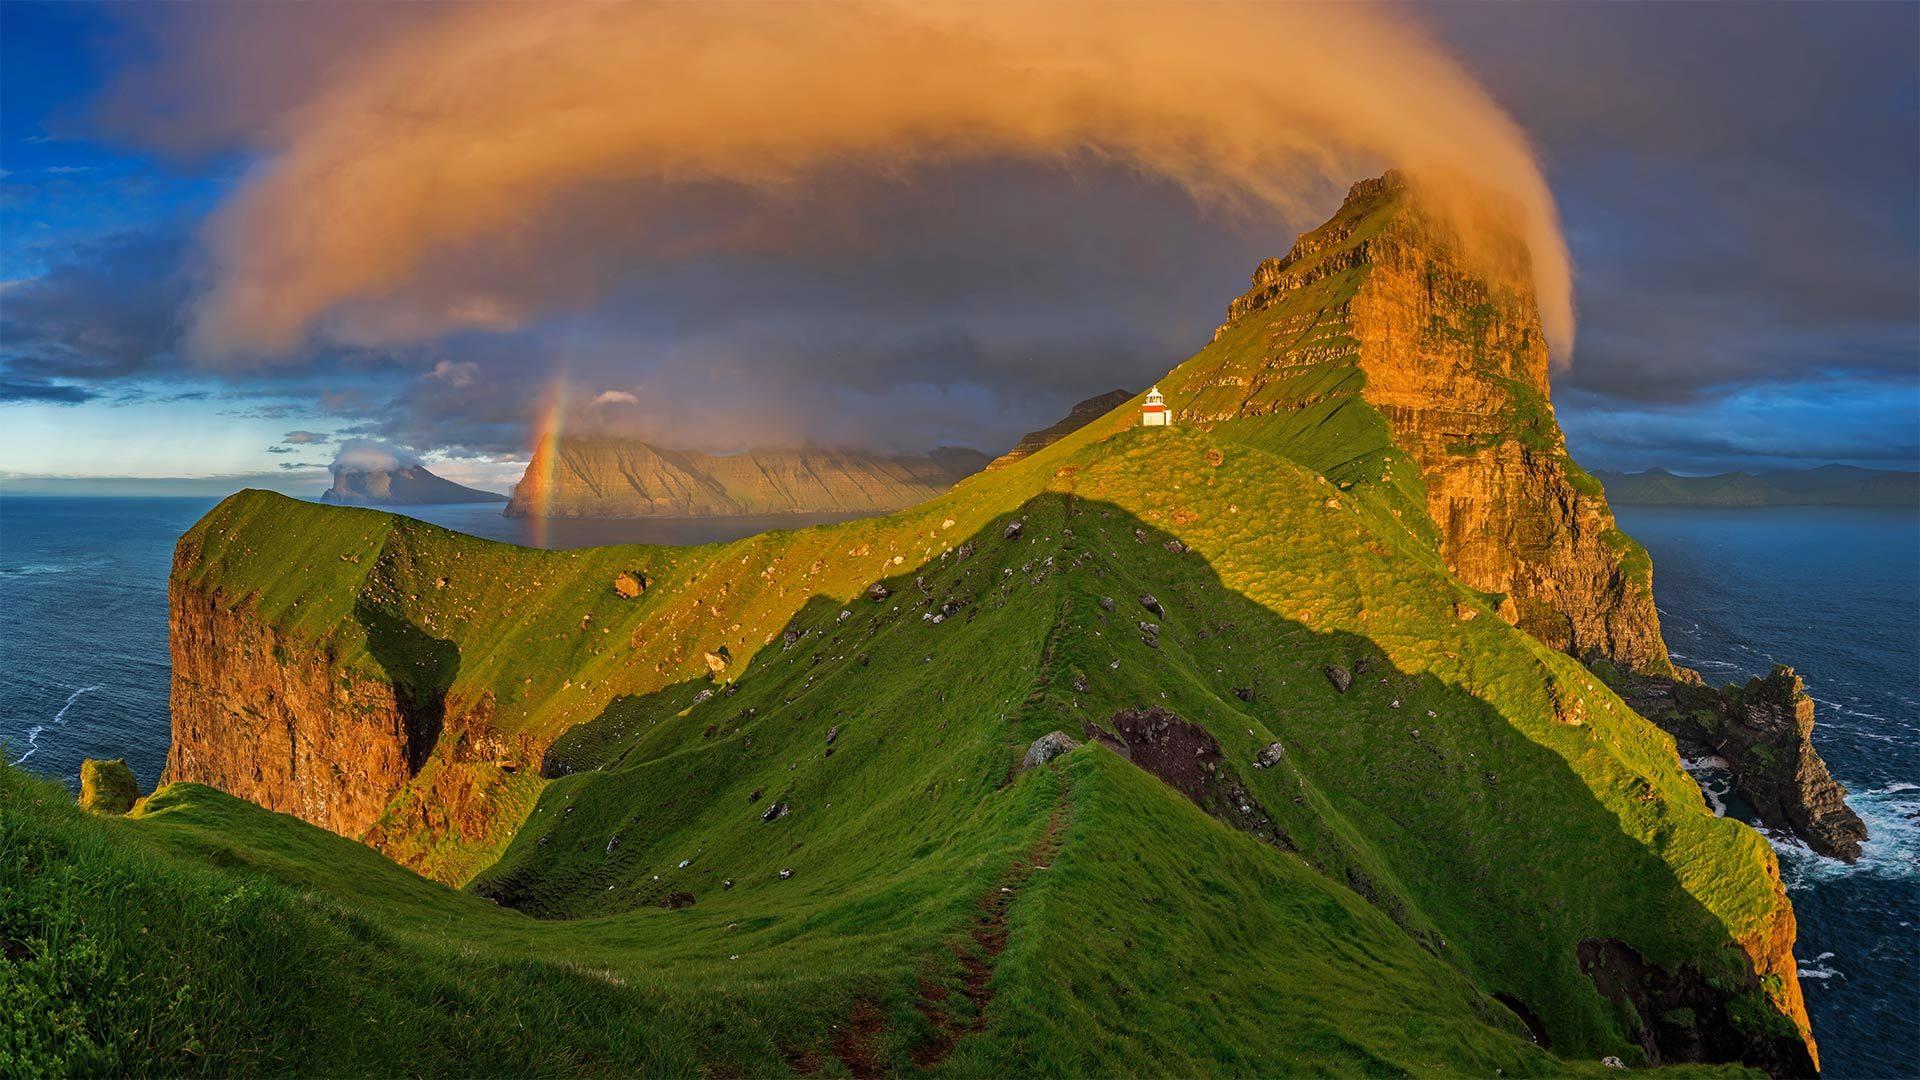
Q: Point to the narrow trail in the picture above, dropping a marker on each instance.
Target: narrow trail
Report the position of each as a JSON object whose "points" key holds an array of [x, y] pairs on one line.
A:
{"points": [[975, 954], [979, 954]]}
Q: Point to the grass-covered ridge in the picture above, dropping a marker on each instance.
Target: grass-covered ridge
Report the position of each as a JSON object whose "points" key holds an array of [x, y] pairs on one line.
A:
{"points": [[1451, 831]]}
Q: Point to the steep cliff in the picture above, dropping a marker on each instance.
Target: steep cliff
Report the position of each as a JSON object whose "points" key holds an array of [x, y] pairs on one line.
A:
{"points": [[1374, 338], [608, 478]]}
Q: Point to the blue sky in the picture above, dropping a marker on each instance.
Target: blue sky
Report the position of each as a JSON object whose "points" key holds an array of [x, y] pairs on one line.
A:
{"points": [[1739, 201]]}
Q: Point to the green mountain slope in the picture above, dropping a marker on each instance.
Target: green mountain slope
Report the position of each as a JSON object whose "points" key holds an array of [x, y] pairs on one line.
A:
{"points": [[1331, 812]]}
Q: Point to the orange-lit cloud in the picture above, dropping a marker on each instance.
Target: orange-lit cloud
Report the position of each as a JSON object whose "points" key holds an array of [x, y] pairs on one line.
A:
{"points": [[454, 132]]}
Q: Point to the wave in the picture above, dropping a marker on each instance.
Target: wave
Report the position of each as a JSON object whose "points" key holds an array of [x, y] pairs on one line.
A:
{"points": [[59, 718], [34, 569], [1892, 850]]}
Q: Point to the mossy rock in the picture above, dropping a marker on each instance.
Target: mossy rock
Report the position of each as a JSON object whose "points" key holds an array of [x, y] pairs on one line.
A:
{"points": [[107, 787]]}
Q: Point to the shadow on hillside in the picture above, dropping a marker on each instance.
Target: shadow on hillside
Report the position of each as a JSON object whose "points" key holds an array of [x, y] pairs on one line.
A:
{"points": [[1482, 844], [420, 666]]}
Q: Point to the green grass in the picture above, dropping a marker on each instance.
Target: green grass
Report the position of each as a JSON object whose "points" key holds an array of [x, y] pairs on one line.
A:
{"points": [[1159, 940], [630, 907]]}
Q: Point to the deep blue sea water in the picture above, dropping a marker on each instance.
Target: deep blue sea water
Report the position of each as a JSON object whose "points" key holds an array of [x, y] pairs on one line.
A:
{"points": [[1836, 593]]}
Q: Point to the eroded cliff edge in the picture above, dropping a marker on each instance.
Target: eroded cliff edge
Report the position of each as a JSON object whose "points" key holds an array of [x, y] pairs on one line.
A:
{"points": [[1380, 307]]}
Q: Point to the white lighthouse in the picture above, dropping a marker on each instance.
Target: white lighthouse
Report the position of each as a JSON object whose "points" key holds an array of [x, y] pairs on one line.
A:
{"points": [[1154, 411]]}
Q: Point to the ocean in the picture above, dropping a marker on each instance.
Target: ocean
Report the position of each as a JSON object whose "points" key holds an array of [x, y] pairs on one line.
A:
{"points": [[1835, 593]]}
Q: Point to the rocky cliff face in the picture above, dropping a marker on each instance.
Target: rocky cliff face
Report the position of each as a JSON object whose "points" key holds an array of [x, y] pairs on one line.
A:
{"points": [[1379, 305], [278, 723], [607, 478]]}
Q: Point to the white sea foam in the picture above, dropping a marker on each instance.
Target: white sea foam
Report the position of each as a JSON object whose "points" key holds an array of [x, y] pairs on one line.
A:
{"points": [[1892, 850], [34, 732]]}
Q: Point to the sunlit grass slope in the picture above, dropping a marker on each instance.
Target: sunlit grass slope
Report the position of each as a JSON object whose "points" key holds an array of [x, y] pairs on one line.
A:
{"points": [[832, 863]]}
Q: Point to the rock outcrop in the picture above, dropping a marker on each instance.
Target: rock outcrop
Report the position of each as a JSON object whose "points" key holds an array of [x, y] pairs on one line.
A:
{"points": [[603, 477], [1764, 732], [1082, 414], [1380, 306], [107, 787]]}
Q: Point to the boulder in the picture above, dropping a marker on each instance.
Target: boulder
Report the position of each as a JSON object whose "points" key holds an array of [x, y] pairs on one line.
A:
{"points": [[1147, 601], [1013, 530], [878, 592], [630, 584], [1339, 677], [1244, 693], [1107, 603], [1269, 756], [107, 787], [1046, 748], [718, 659]]}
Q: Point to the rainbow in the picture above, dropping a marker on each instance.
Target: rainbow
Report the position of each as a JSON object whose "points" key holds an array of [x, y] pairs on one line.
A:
{"points": [[546, 457]]}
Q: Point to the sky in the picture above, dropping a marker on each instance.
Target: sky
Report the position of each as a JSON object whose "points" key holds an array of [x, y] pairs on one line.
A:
{"points": [[234, 238]]}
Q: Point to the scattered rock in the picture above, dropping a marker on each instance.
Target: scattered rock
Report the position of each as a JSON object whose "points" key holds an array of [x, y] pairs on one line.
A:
{"points": [[1013, 530], [630, 584], [702, 696], [718, 659], [789, 639], [1339, 677], [1269, 756], [107, 787], [832, 734], [1612, 1062], [1147, 601], [785, 874], [676, 900], [1464, 611], [1244, 693], [878, 592], [774, 811], [1079, 684], [1046, 748], [1176, 547], [1107, 603]]}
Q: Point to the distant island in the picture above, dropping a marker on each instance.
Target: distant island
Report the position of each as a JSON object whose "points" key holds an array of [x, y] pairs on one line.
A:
{"points": [[401, 485], [1829, 485]]}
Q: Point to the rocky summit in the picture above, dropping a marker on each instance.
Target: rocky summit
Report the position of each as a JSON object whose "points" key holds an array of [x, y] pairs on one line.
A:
{"points": [[1279, 739], [400, 485], [606, 477]]}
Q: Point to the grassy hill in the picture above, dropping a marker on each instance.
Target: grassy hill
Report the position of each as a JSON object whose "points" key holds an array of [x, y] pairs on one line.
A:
{"points": [[759, 808], [1432, 834]]}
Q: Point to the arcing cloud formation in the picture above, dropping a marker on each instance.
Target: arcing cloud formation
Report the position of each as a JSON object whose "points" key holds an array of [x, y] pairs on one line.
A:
{"points": [[467, 130]]}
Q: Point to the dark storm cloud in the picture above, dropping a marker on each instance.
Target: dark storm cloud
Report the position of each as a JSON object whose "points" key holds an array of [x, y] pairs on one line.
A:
{"points": [[1738, 183], [42, 391], [106, 309], [1738, 187]]}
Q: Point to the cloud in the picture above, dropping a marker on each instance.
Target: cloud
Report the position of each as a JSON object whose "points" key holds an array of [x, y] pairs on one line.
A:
{"points": [[371, 455], [453, 372], [69, 170], [105, 308], [281, 450], [392, 202], [615, 397], [43, 392], [304, 438]]}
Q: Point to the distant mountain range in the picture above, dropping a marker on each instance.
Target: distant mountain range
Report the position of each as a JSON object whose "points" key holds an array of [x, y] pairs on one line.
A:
{"points": [[602, 477], [405, 485], [1829, 485]]}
